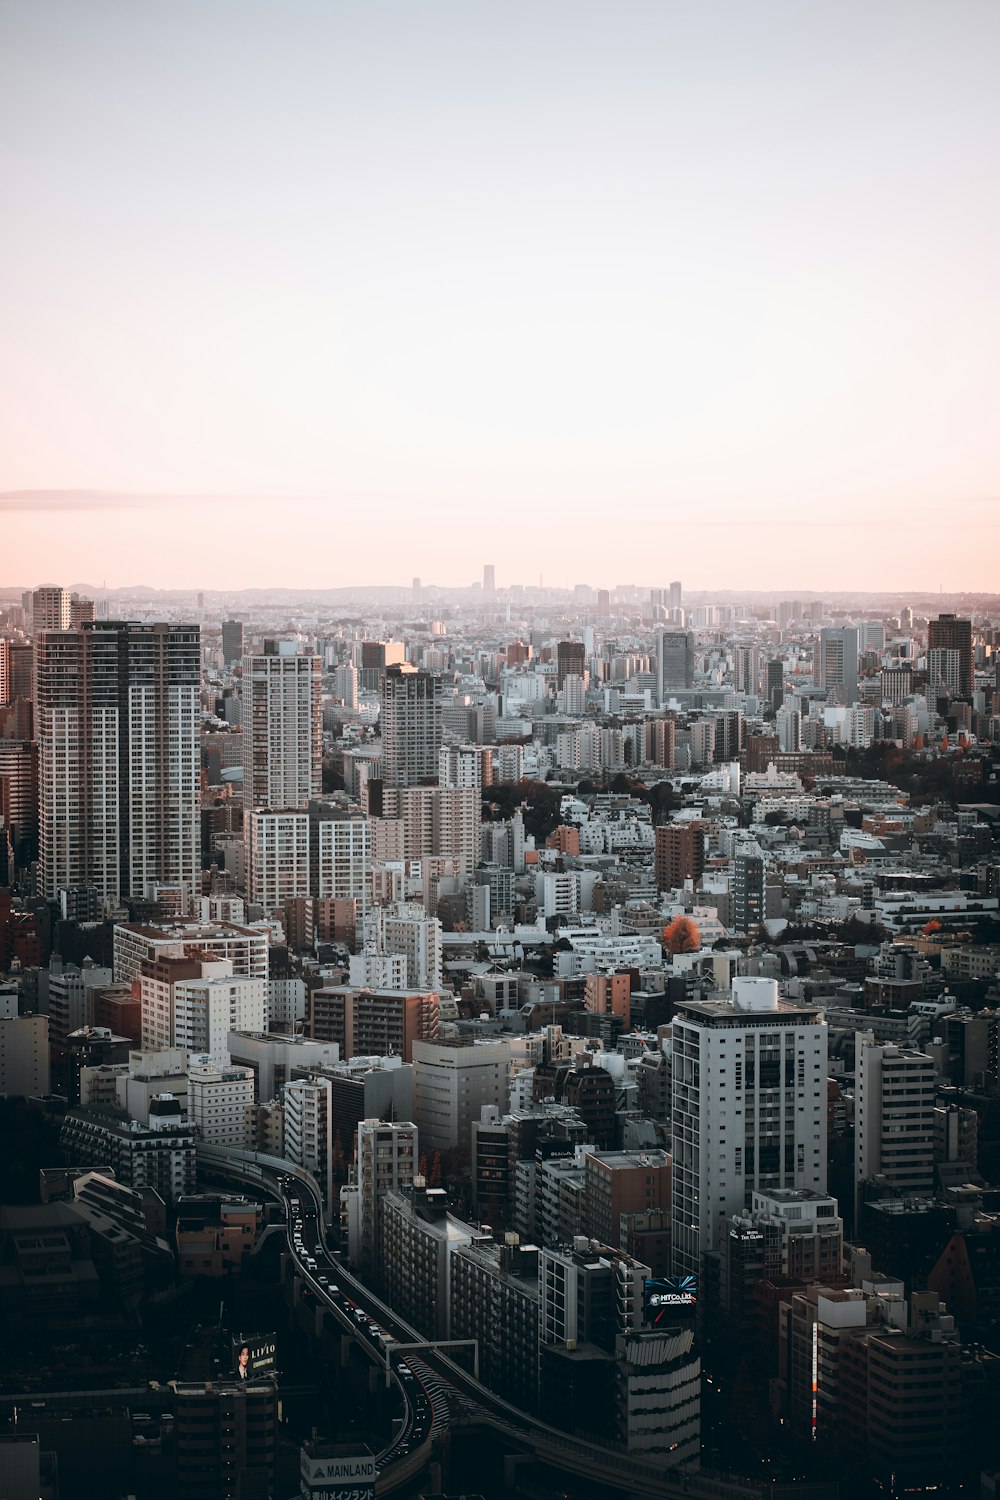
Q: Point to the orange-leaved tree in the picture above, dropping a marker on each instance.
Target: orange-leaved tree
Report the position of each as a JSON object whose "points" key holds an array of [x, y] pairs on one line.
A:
{"points": [[681, 936]]}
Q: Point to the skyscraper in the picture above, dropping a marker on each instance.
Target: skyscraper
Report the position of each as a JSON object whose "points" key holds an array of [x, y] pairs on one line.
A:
{"points": [[571, 661], [837, 662], [674, 661], [50, 610], [748, 886], [282, 728], [775, 684], [411, 726], [489, 580], [749, 1109], [232, 640], [676, 595], [118, 716], [949, 633]]}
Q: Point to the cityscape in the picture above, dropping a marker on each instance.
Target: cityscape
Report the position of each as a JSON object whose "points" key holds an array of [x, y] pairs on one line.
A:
{"points": [[499, 750], [499, 1041]]}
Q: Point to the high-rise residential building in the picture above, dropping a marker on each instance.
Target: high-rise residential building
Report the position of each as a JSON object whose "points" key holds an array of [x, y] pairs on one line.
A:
{"points": [[436, 820], [159, 1154], [489, 580], [232, 641], [788, 722], [309, 1130], [19, 799], [80, 611], [368, 1022], [278, 867], [408, 930], [50, 610], [949, 633], [466, 765], [661, 741], [135, 945], [944, 670], [345, 685], [603, 604], [5, 694], [571, 660], [282, 728], [679, 854], [747, 905], [749, 1109], [674, 662], [895, 1090], [775, 683], [387, 1161], [411, 726], [21, 655], [342, 853], [746, 667], [676, 595], [117, 718], [836, 662], [196, 1002]]}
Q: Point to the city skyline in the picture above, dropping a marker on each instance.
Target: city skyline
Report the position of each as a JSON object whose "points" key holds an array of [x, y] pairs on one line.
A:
{"points": [[475, 285]]}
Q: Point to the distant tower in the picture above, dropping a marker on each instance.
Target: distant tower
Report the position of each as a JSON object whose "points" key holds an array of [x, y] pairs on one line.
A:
{"points": [[676, 596], [949, 633], [837, 662], [232, 641], [489, 581], [674, 661], [571, 659]]}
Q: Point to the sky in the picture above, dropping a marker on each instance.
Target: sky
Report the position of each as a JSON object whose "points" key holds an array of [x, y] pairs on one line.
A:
{"points": [[320, 293]]}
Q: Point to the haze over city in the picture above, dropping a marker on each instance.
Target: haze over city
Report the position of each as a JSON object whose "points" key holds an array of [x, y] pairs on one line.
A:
{"points": [[363, 291], [499, 750]]}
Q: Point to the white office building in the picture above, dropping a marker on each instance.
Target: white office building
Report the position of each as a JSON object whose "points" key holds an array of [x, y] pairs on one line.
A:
{"points": [[749, 1109]]}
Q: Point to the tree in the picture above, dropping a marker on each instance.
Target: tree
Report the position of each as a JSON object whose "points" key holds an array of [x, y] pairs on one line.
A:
{"points": [[681, 936]]}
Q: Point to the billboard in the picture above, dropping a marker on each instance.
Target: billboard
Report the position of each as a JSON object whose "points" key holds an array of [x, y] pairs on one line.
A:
{"points": [[345, 1477], [670, 1296], [254, 1356]]}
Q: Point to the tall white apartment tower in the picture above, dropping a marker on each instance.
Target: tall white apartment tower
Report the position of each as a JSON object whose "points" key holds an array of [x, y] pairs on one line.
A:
{"points": [[411, 726], [749, 1109], [282, 728], [895, 1091], [50, 610], [118, 718]]}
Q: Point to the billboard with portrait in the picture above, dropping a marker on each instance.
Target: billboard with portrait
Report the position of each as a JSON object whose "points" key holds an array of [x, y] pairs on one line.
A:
{"points": [[254, 1356]]}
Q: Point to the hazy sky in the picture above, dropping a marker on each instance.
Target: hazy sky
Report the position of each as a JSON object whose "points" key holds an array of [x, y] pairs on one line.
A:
{"points": [[343, 292]]}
